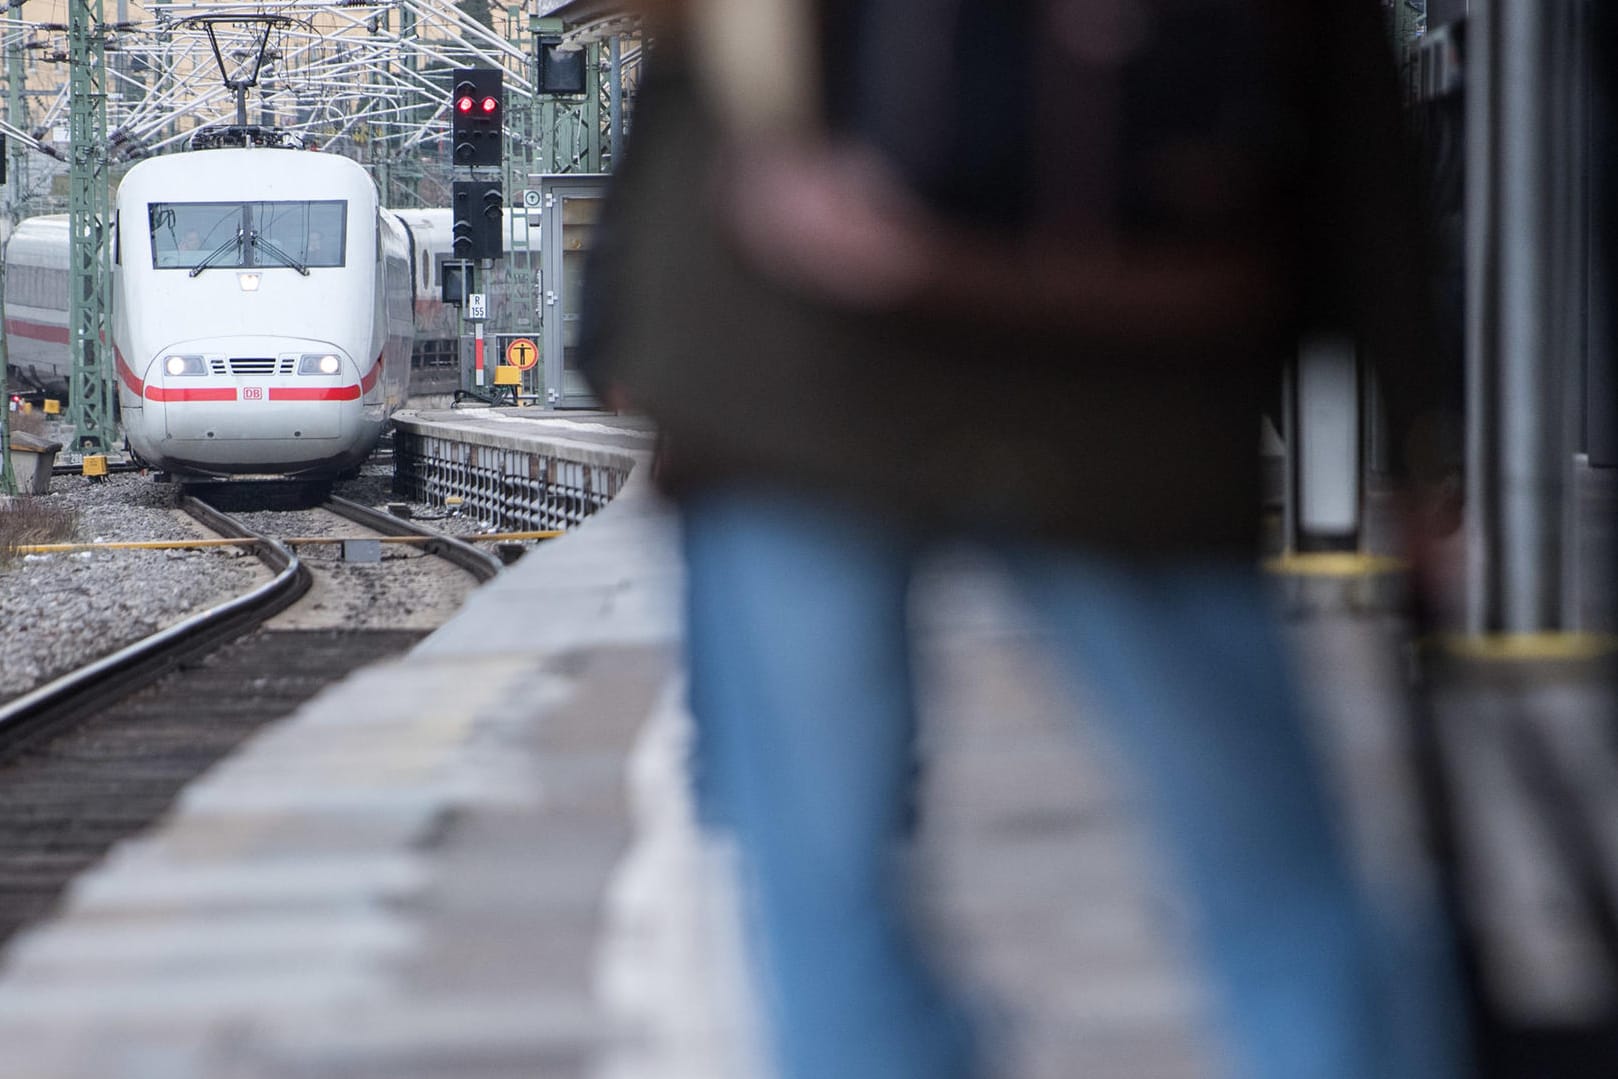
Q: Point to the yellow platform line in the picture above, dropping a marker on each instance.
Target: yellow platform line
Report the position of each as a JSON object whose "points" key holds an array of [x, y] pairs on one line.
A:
{"points": [[294, 541], [1334, 564], [1528, 647]]}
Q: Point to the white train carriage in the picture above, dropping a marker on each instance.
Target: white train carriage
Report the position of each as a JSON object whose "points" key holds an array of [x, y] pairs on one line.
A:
{"points": [[436, 356], [438, 326], [36, 256], [262, 312]]}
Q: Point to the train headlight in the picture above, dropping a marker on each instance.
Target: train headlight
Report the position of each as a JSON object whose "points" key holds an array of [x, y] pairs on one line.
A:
{"points": [[185, 365], [249, 281], [326, 364]]}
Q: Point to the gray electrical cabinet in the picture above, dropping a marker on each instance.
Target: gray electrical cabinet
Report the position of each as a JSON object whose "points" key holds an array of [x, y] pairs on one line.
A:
{"points": [[569, 207]]}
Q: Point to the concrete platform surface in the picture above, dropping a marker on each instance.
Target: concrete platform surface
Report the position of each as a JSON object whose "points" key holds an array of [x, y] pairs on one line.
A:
{"points": [[479, 861]]}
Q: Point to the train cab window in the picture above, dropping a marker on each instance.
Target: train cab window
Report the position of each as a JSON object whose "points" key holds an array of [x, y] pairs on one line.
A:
{"points": [[228, 235]]}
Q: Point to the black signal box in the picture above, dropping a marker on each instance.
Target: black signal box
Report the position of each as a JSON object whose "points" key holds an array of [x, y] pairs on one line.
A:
{"points": [[457, 280], [561, 71], [477, 219]]}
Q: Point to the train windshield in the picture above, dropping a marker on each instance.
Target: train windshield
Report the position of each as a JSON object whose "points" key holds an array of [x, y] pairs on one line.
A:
{"points": [[231, 235]]}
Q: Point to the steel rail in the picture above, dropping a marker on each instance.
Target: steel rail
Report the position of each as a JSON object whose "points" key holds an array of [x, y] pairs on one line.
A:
{"points": [[38, 712], [480, 564]]}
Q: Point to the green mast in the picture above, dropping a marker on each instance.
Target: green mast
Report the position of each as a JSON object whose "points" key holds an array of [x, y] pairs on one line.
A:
{"points": [[570, 127], [17, 117], [90, 227], [8, 481]]}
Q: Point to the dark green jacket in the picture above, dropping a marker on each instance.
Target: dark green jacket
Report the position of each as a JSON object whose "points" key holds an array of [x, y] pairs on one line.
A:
{"points": [[951, 422]]}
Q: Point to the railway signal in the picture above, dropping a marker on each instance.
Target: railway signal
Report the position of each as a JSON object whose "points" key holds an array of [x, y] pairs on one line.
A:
{"points": [[477, 219], [457, 280], [477, 112], [561, 71]]}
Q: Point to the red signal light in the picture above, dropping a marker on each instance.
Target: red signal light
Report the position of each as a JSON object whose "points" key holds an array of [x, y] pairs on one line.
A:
{"points": [[463, 104], [490, 104]]}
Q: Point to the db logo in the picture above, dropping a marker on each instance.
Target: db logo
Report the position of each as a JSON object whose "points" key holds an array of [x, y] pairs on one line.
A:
{"points": [[252, 393]]}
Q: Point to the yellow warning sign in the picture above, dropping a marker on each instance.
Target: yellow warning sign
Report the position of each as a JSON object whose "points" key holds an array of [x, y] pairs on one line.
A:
{"points": [[522, 353]]}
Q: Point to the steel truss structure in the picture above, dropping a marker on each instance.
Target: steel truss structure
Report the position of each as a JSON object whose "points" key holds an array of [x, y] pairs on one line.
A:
{"points": [[366, 80], [90, 386]]}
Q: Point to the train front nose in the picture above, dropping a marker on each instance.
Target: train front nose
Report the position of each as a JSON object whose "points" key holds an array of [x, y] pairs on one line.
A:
{"points": [[252, 405]]}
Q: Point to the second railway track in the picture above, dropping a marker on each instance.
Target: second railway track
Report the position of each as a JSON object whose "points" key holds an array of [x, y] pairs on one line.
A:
{"points": [[91, 760]]}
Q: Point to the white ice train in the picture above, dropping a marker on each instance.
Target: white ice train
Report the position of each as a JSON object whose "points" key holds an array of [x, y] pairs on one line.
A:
{"points": [[262, 311]]}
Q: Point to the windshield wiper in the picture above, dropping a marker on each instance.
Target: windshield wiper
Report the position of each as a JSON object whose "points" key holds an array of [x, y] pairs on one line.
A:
{"points": [[260, 242], [229, 245]]}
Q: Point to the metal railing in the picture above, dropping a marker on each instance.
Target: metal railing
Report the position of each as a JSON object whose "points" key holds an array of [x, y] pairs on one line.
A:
{"points": [[539, 487]]}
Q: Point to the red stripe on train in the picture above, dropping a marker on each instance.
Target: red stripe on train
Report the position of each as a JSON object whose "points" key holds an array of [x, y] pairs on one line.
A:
{"points": [[296, 393], [38, 331], [129, 377], [207, 393], [371, 376]]}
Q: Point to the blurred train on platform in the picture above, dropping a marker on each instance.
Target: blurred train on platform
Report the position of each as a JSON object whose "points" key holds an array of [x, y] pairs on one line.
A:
{"points": [[268, 315]]}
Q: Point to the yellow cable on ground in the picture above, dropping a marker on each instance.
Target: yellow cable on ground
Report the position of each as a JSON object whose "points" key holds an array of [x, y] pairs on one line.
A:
{"points": [[502, 537], [126, 545], [295, 541]]}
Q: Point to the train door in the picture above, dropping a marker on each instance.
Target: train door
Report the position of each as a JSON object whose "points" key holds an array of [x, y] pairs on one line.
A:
{"points": [[569, 207]]}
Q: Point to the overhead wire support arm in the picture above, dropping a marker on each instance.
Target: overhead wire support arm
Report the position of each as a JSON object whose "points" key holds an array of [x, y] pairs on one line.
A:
{"points": [[16, 120]]}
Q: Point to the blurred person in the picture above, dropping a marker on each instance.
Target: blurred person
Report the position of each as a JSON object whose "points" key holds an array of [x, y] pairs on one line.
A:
{"points": [[1603, 393], [187, 250], [895, 272]]}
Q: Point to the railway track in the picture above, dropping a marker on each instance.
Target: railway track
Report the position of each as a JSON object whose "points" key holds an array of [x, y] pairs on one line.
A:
{"points": [[98, 755]]}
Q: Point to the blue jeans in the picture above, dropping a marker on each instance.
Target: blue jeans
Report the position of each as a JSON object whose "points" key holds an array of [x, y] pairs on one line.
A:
{"points": [[801, 684]]}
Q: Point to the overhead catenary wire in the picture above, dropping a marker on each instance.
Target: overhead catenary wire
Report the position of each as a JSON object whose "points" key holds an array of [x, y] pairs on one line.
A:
{"points": [[338, 72]]}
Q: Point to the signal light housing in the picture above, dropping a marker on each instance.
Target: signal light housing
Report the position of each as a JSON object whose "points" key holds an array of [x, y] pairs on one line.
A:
{"points": [[476, 116], [477, 215], [561, 71]]}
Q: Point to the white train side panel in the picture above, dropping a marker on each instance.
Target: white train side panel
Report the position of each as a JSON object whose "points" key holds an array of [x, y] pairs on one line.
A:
{"points": [[36, 257]]}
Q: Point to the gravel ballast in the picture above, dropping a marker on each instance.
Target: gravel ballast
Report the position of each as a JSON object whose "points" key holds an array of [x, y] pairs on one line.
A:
{"points": [[62, 610]]}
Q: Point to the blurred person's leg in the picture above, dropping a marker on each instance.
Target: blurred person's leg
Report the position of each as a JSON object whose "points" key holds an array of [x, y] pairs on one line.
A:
{"points": [[1190, 676], [801, 670]]}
